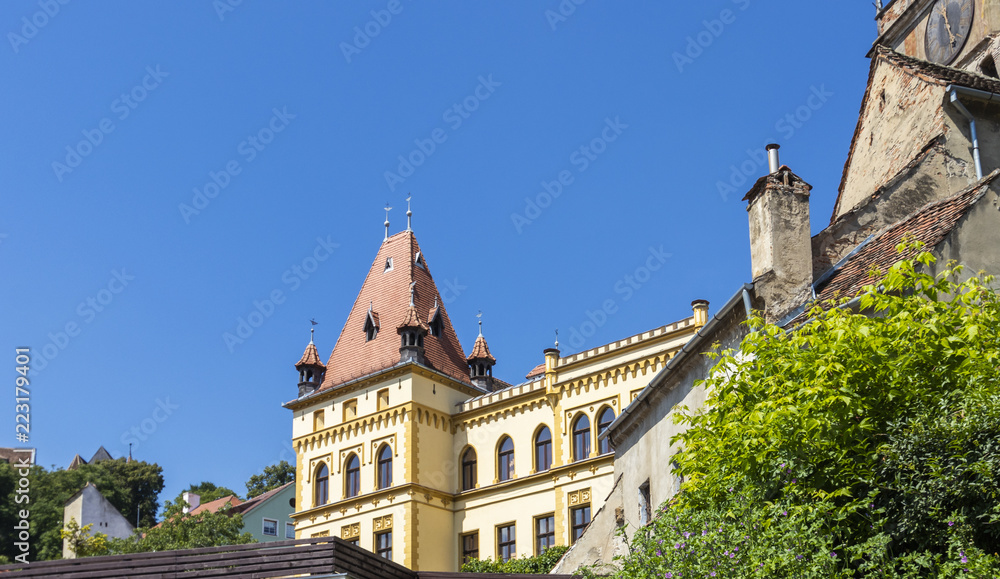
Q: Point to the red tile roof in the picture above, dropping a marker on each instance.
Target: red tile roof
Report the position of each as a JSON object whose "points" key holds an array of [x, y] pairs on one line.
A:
{"points": [[930, 225], [310, 357], [536, 371], [481, 350], [388, 293], [213, 506]]}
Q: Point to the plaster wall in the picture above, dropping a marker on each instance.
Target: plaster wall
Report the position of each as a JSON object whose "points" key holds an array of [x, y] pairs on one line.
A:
{"points": [[89, 507]]}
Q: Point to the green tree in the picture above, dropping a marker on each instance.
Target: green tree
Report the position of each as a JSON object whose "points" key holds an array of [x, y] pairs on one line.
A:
{"points": [[273, 477], [862, 445], [81, 542], [185, 531], [127, 487]]}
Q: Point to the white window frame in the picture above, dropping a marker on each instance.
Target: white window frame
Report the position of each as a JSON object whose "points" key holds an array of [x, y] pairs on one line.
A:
{"points": [[263, 527], [290, 527]]}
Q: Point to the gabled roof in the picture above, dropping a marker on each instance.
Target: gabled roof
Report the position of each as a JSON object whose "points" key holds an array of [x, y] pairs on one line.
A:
{"points": [[251, 504], [213, 506], [76, 463], [929, 225], [100, 455], [920, 69], [481, 351], [388, 293]]}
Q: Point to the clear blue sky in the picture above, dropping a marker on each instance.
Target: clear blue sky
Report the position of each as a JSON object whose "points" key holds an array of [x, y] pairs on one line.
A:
{"points": [[172, 93]]}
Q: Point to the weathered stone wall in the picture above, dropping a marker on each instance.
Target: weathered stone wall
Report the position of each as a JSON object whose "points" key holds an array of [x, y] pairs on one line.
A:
{"points": [[643, 449]]}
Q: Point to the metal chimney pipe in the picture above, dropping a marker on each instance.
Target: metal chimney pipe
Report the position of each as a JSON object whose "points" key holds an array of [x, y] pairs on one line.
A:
{"points": [[772, 158]]}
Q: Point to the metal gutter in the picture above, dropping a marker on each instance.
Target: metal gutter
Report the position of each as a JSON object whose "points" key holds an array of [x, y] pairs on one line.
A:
{"points": [[972, 127], [743, 295]]}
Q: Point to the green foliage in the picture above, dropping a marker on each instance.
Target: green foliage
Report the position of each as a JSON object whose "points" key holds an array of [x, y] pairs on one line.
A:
{"points": [[81, 542], [185, 531], [861, 445], [537, 565], [127, 486], [273, 477]]}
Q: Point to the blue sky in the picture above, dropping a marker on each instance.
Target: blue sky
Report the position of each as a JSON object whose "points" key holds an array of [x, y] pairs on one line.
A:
{"points": [[167, 165]]}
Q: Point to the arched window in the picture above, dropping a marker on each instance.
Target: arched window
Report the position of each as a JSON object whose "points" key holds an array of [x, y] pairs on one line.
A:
{"points": [[352, 476], [581, 438], [469, 469], [385, 467], [322, 488], [505, 459], [604, 420], [543, 450]]}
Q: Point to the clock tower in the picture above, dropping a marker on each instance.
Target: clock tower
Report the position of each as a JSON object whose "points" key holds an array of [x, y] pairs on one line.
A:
{"points": [[958, 33]]}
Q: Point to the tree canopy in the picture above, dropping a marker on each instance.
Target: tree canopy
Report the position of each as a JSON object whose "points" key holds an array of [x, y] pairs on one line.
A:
{"points": [[131, 487], [861, 445], [273, 477]]}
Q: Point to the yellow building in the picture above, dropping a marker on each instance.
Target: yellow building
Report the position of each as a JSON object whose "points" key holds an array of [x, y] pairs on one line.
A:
{"points": [[411, 449]]}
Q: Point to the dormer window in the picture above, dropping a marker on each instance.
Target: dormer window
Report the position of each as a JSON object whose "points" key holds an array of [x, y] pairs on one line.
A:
{"points": [[388, 265], [419, 260], [435, 325], [371, 326]]}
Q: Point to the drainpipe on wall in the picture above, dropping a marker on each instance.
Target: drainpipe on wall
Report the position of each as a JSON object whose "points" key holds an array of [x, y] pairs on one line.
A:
{"points": [[980, 95]]}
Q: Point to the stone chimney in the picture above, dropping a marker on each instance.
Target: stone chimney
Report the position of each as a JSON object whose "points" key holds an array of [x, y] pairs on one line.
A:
{"points": [[191, 501], [700, 308], [780, 241]]}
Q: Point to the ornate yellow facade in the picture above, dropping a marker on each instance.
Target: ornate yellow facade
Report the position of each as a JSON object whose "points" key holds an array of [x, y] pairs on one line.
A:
{"points": [[414, 463]]}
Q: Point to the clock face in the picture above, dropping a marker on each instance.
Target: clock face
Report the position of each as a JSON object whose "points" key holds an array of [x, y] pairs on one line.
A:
{"points": [[948, 28]]}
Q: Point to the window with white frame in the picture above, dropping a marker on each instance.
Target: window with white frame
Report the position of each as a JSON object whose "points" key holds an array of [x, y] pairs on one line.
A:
{"points": [[289, 530], [270, 528]]}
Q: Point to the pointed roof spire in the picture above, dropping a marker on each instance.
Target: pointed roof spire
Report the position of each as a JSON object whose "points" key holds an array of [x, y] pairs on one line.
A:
{"points": [[481, 351], [388, 208], [409, 214], [480, 316], [356, 355], [310, 357]]}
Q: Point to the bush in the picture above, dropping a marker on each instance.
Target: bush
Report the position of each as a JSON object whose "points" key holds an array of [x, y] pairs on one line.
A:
{"points": [[537, 565]]}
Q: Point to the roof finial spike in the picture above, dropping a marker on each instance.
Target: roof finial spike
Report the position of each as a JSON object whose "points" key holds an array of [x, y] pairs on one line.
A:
{"points": [[388, 208], [557, 337], [435, 302], [480, 316], [312, 330], [412, 290], [371, 305], [409, 214]]}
